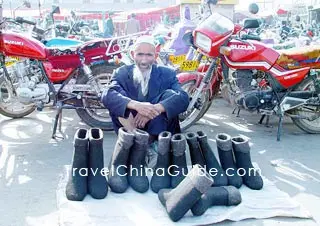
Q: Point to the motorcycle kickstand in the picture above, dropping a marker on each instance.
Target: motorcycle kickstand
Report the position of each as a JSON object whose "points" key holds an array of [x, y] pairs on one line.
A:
{"points": [[234, 110], [267, 120], [58, 120], [279, 127]]}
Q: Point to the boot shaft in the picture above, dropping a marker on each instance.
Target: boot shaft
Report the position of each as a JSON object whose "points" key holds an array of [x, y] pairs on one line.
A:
{"points": [[178, 144], [196, 153], [224, 142], [164, 144], [224, 146], [96, 148], [241, 150], [122, 148], [139, 148], [80, 153]]}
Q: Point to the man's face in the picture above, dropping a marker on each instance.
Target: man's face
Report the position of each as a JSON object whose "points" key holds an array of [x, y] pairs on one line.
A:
{"points": [[144, 56]]}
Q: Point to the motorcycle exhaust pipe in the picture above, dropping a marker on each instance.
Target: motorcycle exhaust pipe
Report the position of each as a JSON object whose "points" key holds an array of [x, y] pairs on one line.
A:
{"points": [[303, 94]]}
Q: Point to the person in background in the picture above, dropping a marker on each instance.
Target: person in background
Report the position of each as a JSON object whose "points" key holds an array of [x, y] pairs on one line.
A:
{"points": [[133, 25], [165, 18], [109, 27]]}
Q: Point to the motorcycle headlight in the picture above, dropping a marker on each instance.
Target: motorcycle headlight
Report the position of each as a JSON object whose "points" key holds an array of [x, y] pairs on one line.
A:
{"points": [[203, 42]]}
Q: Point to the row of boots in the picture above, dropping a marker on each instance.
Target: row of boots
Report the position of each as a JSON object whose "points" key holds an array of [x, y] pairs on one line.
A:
{"points": [[126, 167], [234, 154]]}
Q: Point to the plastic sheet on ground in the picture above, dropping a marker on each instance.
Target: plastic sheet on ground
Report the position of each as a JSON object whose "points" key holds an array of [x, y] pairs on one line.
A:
{"points": [[132, 208]]}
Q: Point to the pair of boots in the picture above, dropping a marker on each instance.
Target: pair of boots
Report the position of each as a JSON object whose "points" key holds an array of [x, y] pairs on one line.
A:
{"points": [[171, 167], [234, 155], [127, 163], [202, 154], [87, 164], [195, 193]]}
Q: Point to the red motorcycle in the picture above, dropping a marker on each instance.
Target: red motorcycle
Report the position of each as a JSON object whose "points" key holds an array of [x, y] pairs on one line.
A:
{"points": [[290, 87], [63, 78]]}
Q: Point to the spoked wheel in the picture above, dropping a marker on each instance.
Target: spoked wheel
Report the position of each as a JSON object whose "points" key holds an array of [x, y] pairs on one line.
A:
{"points": [[95, 114], [10, 105], [312, 112], [188, 118]]}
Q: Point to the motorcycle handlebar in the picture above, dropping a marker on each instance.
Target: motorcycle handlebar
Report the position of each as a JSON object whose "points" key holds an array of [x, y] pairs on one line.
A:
{"points": [[23, 21], [250, 37]]}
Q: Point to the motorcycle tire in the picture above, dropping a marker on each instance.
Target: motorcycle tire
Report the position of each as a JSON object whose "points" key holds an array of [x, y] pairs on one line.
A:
{"points": [[5, 87], [198, 114], [312, 127], [85, 114]]}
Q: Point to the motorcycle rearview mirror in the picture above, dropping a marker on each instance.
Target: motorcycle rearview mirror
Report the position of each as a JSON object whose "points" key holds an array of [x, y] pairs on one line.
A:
{"points": [[212, 2], [188, 38], [251, 23], [55, 9], [253, 8], [27, 4]]}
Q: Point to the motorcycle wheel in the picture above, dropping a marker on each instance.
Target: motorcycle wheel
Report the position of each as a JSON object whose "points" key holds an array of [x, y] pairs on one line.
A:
{"points": [[188, 118], [304, 124], [99, 118], [10, 106]]}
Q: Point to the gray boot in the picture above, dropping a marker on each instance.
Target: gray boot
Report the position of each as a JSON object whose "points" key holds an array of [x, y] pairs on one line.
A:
{"points": [[178, 168], [217, 196], [241, 150], [180, 200], [117, 177], [137, 176], [161, 178], [77, 186], [97, 181]]}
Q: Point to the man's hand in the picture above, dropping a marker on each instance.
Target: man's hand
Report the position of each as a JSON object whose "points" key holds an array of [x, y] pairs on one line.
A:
{"points": [[140, 121], [144, 108], [160, 108], [129, 123]]}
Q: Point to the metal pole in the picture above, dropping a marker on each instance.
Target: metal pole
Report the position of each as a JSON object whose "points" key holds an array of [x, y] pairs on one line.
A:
{"points": [[11, 8]]}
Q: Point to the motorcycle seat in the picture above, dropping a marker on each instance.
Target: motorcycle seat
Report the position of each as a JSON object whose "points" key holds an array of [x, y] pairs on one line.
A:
{"points": [[58, 51], [307, 56]]}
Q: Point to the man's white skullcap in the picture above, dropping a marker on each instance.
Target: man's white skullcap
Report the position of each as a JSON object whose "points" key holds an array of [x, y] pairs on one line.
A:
{"points": [[145, 39]]}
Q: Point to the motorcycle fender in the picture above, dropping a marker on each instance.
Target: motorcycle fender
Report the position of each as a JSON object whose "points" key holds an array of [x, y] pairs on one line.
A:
{"points": [[190, 76]]}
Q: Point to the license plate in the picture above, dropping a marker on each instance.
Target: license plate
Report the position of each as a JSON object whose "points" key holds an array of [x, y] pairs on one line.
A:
{"points": [[177, 59], [189, 65], [11, 61]]}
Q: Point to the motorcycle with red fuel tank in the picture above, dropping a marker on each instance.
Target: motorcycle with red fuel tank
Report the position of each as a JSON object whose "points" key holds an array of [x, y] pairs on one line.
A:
{"points": [[63, 78], [291, 85]]}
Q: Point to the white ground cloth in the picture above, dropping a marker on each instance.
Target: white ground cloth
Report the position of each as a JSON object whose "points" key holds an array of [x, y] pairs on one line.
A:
{"points": [[132, 208]]}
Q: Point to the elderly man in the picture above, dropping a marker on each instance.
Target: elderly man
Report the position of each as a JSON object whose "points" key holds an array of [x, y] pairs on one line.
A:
{"points": [[149, 92]]}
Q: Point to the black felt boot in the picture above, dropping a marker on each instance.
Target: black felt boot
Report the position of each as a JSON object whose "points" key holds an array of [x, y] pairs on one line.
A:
{"points": [[161, 178], [224, 145], [195, 149], [213, 166], [241, 149], [137, 176], [178, 168], [180, 200], [217, 196], [77, 186], [97, 181], [117, 177]]}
